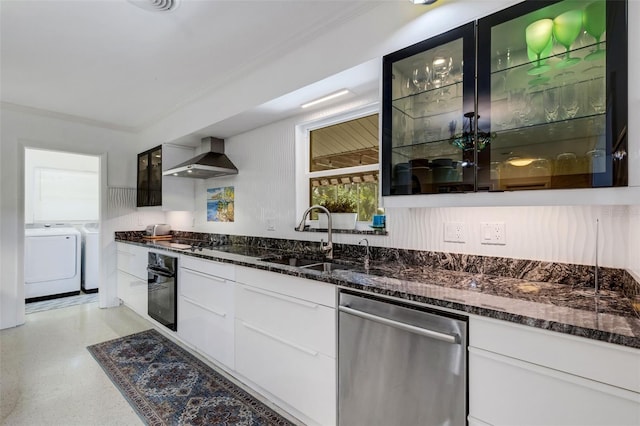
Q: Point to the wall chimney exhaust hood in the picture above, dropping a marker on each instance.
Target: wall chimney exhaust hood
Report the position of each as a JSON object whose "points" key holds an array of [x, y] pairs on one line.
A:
{"points": [[210, 164]]}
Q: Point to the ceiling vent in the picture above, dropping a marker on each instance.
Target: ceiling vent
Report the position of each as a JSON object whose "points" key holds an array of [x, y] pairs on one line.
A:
{"points": [[155, 5]]}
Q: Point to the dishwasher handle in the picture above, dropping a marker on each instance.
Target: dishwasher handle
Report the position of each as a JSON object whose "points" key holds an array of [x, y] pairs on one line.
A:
{"points": [[444, 337]]}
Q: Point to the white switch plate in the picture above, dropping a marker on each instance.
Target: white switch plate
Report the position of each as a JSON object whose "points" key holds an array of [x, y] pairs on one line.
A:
{"points": [[454, 232], [493, 233]]}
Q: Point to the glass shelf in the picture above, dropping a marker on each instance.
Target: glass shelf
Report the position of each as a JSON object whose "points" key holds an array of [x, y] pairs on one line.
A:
{"points": [[555, 58]]}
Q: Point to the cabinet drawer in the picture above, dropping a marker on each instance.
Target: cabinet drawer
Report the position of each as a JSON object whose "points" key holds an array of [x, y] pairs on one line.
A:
{"points": [[313, 291], [133, 292], [603, 362], [303, 379], [133, 259], [218, 269], [208, 331], [307, 324], [506, 391], [212, 293]]}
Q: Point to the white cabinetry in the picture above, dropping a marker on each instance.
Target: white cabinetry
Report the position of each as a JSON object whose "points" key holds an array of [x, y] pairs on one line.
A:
{"points": [[285, 340], [527, 376], [132, 276], [205, 307]]}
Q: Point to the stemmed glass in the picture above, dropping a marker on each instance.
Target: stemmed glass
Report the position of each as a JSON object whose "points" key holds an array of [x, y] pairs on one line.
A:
{"points": [[533, 57], [570, 100], [551, 104], [566, 29], [422, 77], [537, 35], [597, 97], [594, 19]]}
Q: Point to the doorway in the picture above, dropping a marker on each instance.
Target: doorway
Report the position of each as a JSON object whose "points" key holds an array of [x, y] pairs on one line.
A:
{"points": [[62, 222]]}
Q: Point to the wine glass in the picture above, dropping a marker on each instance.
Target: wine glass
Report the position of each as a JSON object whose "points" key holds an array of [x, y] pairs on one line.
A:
{"points": [[537, 35], [536, 71], [597, 97], [566, 29], [569, 100], [422, 77], [551, 104], [442, 64], [594, 19]]}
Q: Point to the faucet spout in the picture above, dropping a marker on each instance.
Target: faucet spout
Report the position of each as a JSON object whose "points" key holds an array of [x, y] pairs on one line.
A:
{"points": [[326, 248]]}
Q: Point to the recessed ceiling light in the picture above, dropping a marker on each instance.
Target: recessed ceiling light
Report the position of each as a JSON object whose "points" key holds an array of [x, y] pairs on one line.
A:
{"points": [[156, 5], [423, 1], [325, 98]]}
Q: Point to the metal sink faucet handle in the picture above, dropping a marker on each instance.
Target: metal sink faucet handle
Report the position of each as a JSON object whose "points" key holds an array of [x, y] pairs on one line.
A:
{"points": [[326, 248]]}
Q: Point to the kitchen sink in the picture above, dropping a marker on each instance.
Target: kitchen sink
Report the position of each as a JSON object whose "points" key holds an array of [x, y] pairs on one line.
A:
{"points": [[321, 265]]}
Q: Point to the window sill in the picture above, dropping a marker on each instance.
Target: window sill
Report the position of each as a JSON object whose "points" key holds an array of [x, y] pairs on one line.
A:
{"points": [[381, 232]]}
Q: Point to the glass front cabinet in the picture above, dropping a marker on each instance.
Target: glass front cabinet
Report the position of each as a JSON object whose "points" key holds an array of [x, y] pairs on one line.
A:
{"points": [[149, 185], [531, 97]]}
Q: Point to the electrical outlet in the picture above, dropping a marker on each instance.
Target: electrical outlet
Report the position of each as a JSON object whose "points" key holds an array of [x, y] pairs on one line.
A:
{"points": [[271, 225], [494, 233], [454, 232]]}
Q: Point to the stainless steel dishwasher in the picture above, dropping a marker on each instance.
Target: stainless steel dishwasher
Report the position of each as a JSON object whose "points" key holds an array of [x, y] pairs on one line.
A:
{"points": [[400, 365]]}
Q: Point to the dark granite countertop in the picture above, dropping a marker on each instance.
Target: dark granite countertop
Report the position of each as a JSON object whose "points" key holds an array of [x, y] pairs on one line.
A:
{"points": [[571, 309]]}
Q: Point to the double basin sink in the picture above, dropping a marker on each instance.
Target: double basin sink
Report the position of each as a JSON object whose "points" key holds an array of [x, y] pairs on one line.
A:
{"points": [[322, 265]]}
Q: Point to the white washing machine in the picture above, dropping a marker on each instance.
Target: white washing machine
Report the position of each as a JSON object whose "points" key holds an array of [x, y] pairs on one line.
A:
{"points": [[51, 261], [90, 250]]}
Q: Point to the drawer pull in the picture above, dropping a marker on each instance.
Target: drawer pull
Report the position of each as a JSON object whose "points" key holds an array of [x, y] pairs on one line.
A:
{"points": [[282, 297], [206, 308], [280, 339], [203, 275]]}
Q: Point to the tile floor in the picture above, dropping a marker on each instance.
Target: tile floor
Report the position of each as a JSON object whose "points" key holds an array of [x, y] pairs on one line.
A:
{"points": [[47, 377]]}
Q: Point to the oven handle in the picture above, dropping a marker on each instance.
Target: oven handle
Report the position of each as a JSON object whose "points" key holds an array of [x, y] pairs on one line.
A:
{"points": [[160, 273]]}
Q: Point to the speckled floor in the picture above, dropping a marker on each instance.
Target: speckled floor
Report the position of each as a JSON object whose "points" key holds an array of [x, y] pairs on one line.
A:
{"points": [[47, 376]]}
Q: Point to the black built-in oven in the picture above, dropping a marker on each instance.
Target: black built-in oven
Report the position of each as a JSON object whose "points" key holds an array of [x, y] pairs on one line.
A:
{"points": [[162, 288]]}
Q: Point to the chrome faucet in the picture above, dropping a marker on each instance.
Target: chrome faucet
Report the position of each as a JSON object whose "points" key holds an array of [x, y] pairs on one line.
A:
{"points": [[366, 255], [326, 248]]}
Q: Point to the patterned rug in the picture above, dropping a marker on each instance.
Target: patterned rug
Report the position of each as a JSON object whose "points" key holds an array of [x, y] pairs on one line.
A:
{"points": [[167, 385]]}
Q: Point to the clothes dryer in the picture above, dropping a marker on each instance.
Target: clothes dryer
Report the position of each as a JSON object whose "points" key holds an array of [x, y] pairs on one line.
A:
{"points": [[51, 262]]}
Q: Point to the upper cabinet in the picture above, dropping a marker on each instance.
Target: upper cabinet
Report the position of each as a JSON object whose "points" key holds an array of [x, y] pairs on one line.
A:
{"points": [[168, 192], [150, 178], [531, 97]]}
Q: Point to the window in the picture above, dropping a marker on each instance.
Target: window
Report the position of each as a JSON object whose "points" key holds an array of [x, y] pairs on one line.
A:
{"points": [[343, 164]]}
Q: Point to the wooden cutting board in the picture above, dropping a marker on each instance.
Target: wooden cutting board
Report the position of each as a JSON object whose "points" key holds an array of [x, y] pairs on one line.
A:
{"points": [[158, 237]]}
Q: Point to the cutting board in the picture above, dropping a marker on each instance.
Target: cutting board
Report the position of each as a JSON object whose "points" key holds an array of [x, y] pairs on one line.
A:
{"points": [[158, 237]]}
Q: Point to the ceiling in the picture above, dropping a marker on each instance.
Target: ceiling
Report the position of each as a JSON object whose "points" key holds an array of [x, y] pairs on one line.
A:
{"points": [[118, 65]]}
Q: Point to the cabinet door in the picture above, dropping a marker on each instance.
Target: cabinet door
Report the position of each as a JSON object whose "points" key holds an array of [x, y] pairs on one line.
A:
{"points": [[507, 391], [133, 292], [149, 182], [427, 115], [206, 313], [303, 378], [552, 96]]}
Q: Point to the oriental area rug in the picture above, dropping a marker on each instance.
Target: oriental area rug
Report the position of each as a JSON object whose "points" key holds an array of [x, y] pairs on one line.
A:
{"points": [[167, 385]]}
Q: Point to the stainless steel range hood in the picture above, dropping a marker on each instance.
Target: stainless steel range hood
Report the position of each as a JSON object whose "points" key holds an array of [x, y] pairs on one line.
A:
{"points": [[210, 164]]}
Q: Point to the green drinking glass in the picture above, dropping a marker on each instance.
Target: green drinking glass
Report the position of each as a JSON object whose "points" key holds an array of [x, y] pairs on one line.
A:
{"points": [[535, 70], [566, 29], [594, 19], [537, 35]]}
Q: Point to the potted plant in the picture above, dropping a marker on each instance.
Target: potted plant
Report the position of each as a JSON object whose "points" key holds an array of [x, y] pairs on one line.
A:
{"points": [[343, 214]]}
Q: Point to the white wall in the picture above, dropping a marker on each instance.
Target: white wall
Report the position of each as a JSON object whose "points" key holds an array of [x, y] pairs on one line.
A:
{"points": [[20, 129], [265, 194], [80, 167]]}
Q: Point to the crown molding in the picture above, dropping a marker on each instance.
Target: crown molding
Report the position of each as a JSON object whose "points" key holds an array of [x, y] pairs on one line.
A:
{"points": [[66, 117]]}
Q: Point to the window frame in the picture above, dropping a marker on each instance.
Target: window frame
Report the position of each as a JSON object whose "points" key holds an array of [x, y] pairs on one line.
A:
{"points": [[303, 155]]}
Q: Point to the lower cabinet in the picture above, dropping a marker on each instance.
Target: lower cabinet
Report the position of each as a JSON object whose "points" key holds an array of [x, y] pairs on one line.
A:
{"points": [[206, 308], [132, 277], [526, 376], [286, 343]]}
